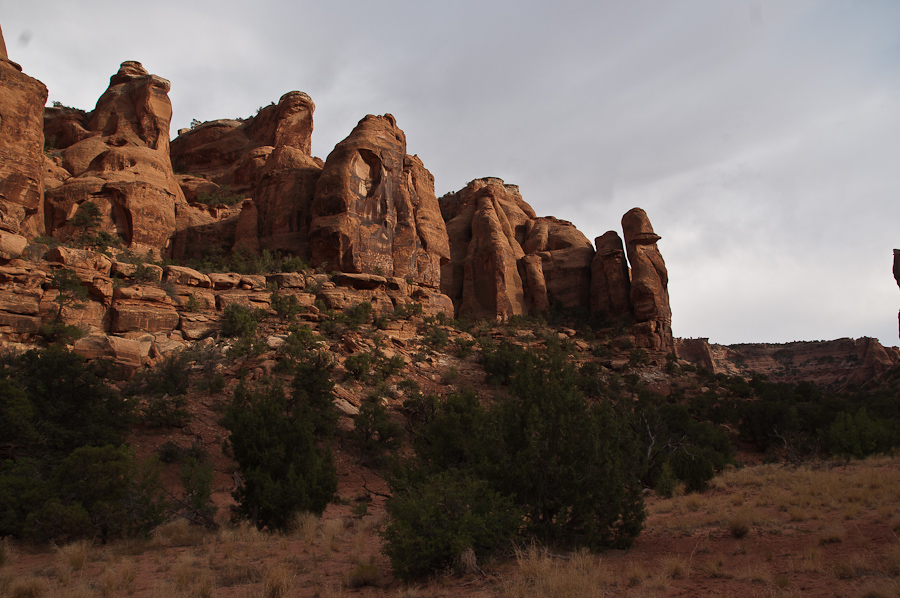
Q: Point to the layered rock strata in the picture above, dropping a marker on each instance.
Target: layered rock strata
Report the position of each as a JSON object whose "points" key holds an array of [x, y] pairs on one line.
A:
{"points": [[838, 363]]}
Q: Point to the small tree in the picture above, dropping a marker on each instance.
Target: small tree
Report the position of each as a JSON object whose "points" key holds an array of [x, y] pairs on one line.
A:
{"points": [[434, 522], [70, 290], [283, 470]]}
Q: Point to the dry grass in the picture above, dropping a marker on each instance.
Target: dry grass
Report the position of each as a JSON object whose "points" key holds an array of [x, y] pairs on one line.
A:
{"points": [[277, 581], [539, 575], [178, 533], [332, 531], [675, 567], [879, 589], [364, 574], [6, 552], [832, 534], [740, 523], [74, 556], [29, 587], [713, 567], [305, 525], [183, 572]]}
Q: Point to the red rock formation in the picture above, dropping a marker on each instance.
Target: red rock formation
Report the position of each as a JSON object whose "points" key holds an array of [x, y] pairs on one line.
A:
{"points": [[507, 261], [22, 102], [565, 263], [287, 181], [375, 211], [610, 279], [119, 160], [487, 222], [266, 157], [649, 283]]}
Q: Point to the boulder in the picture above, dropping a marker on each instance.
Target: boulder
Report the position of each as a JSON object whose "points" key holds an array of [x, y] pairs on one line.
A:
{"points": [[22, 102], [375, 211], [224, 280], [186, 276], [80, 258], [11, 245], [121, 164], [131, 316], [197, 326], [124, 351], [287, 280]]}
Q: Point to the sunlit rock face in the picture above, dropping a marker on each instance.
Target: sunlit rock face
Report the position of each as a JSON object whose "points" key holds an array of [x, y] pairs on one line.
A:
{"points": [[375, 211], [22, 102], [117, 157]]}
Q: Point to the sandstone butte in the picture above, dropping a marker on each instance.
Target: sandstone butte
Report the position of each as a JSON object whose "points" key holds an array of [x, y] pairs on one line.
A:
{"points": [[369, 212]]}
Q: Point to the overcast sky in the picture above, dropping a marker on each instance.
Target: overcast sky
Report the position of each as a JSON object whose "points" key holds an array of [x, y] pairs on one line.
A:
{"points": [[762, 137]]}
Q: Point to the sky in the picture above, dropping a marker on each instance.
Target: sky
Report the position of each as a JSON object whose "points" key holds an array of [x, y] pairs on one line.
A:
{"points": [[762, 137]]}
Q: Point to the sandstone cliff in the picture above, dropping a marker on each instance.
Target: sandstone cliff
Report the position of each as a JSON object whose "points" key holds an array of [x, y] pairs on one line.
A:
{"points": [[368, 211], [505, 261], [116, 157], [375, 210], [265, 158], [21, 156]]}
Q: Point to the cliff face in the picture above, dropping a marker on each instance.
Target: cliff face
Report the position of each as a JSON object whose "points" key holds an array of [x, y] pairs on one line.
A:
{"points": [[117, 158], [253, 185], [374, 209], [837, 363], [22, 102]]}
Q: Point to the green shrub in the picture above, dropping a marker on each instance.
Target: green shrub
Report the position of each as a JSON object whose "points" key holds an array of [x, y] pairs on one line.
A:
{"points": [[286, 306], [358, 315], [359, 365], [665, 482], [223, 196], [388, 366], [71, 291], [374, 429], [435, 338], [166, 412], [170, 376], [404, 311], [858, 435], [66, 473], [284, 471], [240, 321], [464, 347], [313, 391], [569, 466], [434, 522], [58, 332], [197, 477]]}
